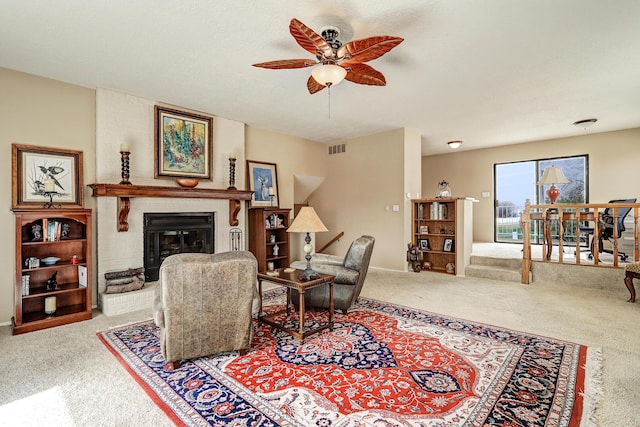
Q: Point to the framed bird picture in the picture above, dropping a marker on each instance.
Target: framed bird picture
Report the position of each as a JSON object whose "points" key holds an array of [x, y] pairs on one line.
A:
{"points": [[45, 177]]}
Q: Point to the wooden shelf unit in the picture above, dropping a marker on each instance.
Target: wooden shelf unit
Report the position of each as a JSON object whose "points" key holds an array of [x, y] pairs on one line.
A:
{"points": [[260, 240], [73, 302], [446, 220]]}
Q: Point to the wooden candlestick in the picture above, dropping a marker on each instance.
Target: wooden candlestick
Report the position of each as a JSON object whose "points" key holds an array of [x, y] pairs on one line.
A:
{"points": [[232, 174], [124, 159]]}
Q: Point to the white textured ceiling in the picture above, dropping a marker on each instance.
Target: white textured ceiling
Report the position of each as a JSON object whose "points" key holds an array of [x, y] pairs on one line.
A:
{"points": [[489, 72]]}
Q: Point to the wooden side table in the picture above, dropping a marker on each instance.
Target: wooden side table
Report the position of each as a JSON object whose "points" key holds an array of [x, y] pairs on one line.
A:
{"points": [[291, 281]]}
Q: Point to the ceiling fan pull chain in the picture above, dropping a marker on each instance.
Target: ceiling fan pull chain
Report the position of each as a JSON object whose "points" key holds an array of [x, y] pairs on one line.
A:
{"points": [[329, 89]]}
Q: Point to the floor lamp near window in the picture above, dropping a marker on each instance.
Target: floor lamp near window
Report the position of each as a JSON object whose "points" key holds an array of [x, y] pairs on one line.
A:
{"points": [[307, 221]]}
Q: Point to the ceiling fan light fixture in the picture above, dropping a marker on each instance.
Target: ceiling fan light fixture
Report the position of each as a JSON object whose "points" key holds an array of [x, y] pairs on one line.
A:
{"points": [[454, 144], [586, 123], [329, 74]]}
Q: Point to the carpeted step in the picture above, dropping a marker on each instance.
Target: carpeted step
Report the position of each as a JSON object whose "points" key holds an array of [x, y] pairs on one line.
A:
{"points": [[508, 263], [503, 269], [493, 273]]}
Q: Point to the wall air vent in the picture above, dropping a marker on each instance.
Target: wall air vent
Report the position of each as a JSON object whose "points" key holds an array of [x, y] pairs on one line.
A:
{"points": [[335, 149]]}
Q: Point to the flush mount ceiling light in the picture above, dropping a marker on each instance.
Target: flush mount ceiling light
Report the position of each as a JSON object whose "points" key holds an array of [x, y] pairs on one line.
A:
{"points": [[586, 123], [454, 144]]}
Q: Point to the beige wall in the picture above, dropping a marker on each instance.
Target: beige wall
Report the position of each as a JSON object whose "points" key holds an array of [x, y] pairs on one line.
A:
{"points": [[42, 112], [362, 186], [292, 156], [360, 189], [412, 182], [613, 162]]}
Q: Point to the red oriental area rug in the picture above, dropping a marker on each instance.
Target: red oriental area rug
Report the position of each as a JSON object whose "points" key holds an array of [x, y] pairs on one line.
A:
{"points": [[381, 365]]}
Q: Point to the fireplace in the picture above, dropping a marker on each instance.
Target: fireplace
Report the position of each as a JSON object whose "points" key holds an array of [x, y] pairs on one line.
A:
{"points": [[172, 233]]}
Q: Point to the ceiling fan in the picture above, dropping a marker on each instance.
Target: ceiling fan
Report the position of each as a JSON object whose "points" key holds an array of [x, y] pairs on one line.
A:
{"points": [[337, 61]]}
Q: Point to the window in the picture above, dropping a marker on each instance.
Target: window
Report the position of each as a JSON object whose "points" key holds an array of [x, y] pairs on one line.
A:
{"points": [[515, 182]]}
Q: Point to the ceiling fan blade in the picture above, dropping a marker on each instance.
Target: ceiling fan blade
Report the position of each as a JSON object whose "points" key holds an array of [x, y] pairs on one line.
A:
{"points": [[365, 75], [367, 49], [309, 39], [314, 86], [286, 63]]}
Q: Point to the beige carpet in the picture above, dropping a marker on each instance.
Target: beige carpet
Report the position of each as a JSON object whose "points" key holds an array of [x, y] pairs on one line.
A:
{"points": [[66, 377]]}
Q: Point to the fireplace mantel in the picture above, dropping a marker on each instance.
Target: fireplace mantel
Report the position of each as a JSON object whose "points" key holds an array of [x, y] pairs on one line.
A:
{"points": [[126, 191]]}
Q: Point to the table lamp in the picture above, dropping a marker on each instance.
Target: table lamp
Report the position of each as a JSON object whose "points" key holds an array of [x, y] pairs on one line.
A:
{"points": [[553, 175], [307, 221]]}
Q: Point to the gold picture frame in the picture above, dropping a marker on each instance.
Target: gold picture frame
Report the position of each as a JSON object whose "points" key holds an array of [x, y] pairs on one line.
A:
{"points": [[183, 144]]}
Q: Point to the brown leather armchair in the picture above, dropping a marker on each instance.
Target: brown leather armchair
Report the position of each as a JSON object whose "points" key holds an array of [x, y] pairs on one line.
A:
{"points": [[349, 273], [204, 303]]}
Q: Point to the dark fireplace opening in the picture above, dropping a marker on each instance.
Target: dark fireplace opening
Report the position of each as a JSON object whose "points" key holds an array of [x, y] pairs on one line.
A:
{"points": [[172, 233]]}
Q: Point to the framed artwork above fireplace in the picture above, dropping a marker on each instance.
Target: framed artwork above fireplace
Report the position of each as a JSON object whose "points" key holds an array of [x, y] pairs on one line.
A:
{"points": [[183, 144]]}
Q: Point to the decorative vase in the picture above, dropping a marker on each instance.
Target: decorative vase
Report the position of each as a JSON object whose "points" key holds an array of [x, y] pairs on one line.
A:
{"points": [[187, 182]]}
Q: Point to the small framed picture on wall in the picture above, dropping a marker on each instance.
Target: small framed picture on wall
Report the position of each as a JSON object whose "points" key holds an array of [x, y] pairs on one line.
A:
{"points": [[263, 182], [43, 173]]}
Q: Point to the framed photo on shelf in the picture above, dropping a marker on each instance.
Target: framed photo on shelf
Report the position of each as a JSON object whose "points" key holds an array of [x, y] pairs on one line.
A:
{"points": [[183, 144], [424, 229], [43, 175], [424, 244], [448, 245], [263, 182]]}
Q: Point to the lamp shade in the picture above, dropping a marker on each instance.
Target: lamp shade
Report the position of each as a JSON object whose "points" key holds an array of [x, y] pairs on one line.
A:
{"points": [[329, 74], [553, 175], [306, 221]]}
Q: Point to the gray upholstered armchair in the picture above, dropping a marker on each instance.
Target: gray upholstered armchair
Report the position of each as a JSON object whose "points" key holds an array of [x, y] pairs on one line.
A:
{"points": [[350, 273], [204, 304]]}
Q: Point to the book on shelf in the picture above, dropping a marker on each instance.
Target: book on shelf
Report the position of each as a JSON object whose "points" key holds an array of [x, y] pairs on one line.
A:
{"points": [[438, 210], [51, 230], [435, 210], [25, 284], [442, 211]]}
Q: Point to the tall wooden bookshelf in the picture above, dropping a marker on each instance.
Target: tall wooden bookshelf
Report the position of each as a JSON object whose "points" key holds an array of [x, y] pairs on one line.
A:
{"points": [[42, 234], [443, 232]]}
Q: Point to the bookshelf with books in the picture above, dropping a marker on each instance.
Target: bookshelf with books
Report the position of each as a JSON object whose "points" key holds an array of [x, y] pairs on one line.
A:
{"points": [[443, 233], [53, 268]]}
